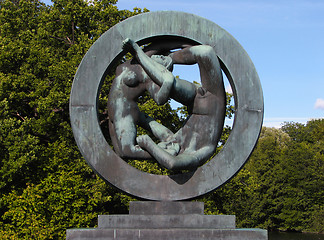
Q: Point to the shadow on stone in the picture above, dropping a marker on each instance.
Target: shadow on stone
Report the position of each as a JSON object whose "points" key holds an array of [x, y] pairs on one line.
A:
{"points": [[182, 178]]}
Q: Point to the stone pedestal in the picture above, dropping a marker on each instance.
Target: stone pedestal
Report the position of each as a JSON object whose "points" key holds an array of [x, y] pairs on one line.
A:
{"points": [[166, 221]]}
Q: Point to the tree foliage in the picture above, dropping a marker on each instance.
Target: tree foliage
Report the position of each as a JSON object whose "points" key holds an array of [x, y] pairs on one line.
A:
{"points": [[282, 185], [46, 186]]}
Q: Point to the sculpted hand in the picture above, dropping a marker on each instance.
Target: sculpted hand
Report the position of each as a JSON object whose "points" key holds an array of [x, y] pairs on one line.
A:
{"points": [[129, 45], [171, 147]]}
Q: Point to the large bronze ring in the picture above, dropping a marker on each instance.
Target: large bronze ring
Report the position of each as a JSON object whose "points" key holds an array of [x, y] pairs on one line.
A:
{"points": [[235, 63]]}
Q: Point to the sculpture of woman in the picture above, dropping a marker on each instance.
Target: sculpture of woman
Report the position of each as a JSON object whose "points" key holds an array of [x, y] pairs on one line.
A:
{"points": [[130, 82]]}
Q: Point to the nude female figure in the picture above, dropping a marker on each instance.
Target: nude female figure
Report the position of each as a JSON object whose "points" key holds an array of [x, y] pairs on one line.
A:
{"points": [[130, 82], [200, 134]]}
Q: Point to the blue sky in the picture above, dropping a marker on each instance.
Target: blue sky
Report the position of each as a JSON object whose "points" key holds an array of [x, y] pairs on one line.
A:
{"points": [[285, 40]]}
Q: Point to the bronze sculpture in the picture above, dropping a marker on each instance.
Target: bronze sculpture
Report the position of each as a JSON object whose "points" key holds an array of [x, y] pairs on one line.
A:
{"points": [[182, 27], [196, 141]]}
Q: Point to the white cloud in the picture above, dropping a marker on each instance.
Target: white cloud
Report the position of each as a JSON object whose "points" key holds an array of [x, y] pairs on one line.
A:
{"points": [[319, 104], [277, 122]]}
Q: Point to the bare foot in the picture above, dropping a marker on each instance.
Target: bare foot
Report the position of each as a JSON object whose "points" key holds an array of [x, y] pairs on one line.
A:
{"points": [[143, 140]]}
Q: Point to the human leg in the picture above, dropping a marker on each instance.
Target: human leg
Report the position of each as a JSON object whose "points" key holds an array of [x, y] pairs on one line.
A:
{"points": [[124, 133], [183, 161], [158, 130]]}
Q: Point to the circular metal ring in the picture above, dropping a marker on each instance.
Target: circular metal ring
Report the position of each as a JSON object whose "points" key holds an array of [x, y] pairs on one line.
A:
{"points": [[238, 68]]}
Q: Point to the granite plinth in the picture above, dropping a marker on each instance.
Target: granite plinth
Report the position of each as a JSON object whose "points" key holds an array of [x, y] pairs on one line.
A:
{"points": [[165, 208], [167, 234], [166, 220]]}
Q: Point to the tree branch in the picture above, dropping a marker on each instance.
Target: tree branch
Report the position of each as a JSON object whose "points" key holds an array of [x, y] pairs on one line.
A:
{"points": [[19, 116]]}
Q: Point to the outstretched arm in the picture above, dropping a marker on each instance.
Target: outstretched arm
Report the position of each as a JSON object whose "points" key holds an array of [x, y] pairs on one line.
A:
{"points": [[209, 66]]}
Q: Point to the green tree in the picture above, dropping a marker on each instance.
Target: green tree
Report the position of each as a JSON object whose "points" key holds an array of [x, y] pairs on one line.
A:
{"points": [[281, 186], [304, 167], [45, 184]]}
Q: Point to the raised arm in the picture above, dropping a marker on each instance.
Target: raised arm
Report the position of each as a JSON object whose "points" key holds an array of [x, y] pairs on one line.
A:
{"points": [[156, 71]]}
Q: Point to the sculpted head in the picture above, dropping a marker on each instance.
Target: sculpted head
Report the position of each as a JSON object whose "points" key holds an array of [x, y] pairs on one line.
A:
{"points": [[164, 60]]}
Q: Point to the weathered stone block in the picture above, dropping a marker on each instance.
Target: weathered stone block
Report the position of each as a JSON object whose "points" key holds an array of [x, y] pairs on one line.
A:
{"points": [[167, 234], [194, 221], [165, 208]]}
